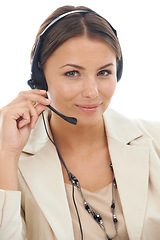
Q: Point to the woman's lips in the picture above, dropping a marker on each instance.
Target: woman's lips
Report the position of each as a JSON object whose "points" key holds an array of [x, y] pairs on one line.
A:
{"points": [[88, 108]]}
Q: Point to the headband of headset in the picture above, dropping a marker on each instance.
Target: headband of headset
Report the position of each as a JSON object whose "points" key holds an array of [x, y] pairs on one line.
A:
{"points": [[38, 79]]}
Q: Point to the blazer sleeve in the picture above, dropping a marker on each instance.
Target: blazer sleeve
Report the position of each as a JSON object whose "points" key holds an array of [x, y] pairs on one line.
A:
{"points": [[12, 224]]}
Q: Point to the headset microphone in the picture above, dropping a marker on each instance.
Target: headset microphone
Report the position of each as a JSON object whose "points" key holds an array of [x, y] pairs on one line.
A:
{"points": [[71, 120]]}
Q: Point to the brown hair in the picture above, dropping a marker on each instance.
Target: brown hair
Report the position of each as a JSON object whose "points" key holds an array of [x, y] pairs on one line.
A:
{"points": [[76, 24]]}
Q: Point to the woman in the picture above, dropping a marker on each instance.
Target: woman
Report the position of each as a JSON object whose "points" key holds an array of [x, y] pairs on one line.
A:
{"points": [[101, 179]]}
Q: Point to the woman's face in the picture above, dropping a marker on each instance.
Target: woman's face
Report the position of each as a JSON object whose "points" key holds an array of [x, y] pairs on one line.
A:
{"points": [[81, 78]]}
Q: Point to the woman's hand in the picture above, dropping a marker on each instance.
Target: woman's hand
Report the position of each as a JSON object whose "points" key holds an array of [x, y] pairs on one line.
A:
{"points": [[17, 119]]}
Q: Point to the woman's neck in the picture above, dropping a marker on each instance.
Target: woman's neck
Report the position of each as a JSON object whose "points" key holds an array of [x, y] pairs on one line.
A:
{"points": [[68, 136]]}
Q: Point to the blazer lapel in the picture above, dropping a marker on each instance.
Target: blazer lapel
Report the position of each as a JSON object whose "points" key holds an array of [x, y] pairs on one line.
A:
{"points": [[131, 168], [42, 172], [129, 153]]}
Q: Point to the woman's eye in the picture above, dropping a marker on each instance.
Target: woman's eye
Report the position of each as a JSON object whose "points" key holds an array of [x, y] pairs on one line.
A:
{"points": [[72, 74], [104, 73]]}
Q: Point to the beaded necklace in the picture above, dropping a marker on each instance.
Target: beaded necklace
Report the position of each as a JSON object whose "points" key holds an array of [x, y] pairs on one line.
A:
{"points": [[94, 213]]}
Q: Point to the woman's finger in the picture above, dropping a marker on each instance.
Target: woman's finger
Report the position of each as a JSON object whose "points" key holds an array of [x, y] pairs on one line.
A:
{"points": [[30, 117], [34, 96]]}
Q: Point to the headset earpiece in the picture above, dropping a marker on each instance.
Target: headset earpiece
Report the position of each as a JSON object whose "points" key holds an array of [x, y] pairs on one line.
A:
{"points": [[119, 69], [38, 79]]}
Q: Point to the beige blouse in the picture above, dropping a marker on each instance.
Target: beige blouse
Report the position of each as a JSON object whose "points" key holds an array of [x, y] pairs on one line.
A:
{"points": [[100, 201]]}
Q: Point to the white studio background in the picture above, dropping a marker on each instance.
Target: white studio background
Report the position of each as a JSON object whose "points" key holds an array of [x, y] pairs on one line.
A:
{"points": [[138, 25]]}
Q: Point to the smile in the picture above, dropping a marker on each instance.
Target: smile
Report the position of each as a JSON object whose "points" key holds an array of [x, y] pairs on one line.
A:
{"points": [[88, 108]]}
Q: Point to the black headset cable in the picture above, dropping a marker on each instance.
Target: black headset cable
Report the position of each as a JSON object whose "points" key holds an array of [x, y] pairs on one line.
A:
{"points": [[62, 160]]}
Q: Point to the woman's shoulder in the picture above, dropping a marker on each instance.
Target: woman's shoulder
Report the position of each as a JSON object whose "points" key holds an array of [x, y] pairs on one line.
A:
{"points": [[150, 128]]}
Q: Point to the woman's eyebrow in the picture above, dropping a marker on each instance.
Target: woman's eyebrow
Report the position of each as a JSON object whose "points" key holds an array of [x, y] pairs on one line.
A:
{"points": [[107, 65], [82, 68], [73, 65]]}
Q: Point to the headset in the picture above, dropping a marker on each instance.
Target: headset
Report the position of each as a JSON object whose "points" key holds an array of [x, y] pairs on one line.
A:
{"points": [[38, 81]]}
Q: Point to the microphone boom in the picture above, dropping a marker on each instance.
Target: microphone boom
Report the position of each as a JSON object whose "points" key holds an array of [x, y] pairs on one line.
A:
{"points": [[71, 120]]}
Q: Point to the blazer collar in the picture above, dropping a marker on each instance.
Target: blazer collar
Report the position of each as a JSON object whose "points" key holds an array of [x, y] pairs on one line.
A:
{"points": [[38, 137], [129, 152]]}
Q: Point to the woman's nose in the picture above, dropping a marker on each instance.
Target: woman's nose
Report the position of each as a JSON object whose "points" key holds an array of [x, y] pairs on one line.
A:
{"points": [[90, 88]]}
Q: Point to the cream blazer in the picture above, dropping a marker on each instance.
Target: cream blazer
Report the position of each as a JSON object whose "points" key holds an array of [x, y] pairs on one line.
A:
{"points": [[134, 148]]}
